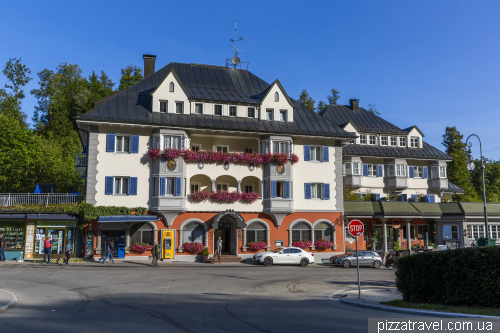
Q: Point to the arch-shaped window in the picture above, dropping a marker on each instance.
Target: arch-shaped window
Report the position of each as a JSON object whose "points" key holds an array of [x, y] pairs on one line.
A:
{"points": [[171, 87], [323, 230], [301, 231], [256, 232], [193, 232], [141, 233], [276, 97]]}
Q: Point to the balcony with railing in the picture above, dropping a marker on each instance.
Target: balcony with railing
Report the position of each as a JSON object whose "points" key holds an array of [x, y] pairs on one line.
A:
{"points": [[14, 199], [80, 161]]}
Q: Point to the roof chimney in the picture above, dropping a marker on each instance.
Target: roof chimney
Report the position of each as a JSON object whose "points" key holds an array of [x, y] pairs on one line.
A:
{"points": [[149, 64], [354, 104]]}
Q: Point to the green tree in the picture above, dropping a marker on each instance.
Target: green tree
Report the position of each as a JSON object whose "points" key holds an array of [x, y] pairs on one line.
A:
{"points": [[130, 76], [321, 106], [97, 87], [457, 170], [334, 97], [306, 100], [373, 109], [17, 76], [491, 180]]}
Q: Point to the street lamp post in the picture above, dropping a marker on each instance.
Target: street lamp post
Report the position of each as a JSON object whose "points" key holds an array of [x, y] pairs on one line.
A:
{"points": [[471, 166]]}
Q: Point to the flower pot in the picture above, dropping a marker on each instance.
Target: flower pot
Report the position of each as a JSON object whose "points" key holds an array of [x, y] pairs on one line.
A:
{"points": [[205, 258]]}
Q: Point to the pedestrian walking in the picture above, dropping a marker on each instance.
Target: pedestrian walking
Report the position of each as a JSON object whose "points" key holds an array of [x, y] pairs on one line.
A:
{"points": [[109, 250], [156, 250], [67, 253], [46, 250], [2, 247]]}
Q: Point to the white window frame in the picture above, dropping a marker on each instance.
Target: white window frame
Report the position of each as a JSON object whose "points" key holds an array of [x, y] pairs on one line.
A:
{"points": [[254, 111], [202, 108], [122, 150], [391, 170], [319, 156], [286, 115], [370, 137], [418, 170], [197, 145], [221, 109], [442, 172], [451, 231], [414, 142], [272, 114], [362, 139], [172, 187], [252, 148], [358, 168], [394, 141], [319, 189], [373, 171], [163, 137], [179, 102], [243, 187], [384, 138], [276, 97], [400, 170], [121, 178], [171, 87], [235, 110], [280, 145], [222, 146], [402, 141], [415, 235], [166, 104], [195, 184], [221, 185]]}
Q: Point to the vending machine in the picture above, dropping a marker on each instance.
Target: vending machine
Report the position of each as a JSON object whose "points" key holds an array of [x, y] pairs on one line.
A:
{"points": [[89, 245], [168, 244]]}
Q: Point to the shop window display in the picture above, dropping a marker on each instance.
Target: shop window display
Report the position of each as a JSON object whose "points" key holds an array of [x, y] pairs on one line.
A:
{"points": [[13, 233]]}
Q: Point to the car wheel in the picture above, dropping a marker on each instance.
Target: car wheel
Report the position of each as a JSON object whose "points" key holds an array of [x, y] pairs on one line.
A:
{"points": [[376, 264], [304, 262], [268, 261], [346, 263]]}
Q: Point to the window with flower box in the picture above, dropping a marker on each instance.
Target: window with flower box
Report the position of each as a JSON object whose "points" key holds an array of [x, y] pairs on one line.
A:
{"points": [[300, 231], [256, 232]]}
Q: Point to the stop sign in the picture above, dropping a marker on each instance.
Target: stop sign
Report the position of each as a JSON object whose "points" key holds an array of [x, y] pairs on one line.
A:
{"points": [[356, 228]]}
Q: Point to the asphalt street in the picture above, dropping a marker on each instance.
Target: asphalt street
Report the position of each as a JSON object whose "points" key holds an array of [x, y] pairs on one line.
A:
{"points": [[140, 298]]}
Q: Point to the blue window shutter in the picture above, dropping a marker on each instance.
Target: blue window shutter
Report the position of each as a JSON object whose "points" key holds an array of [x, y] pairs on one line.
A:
{"points": [[133, 186], [109, 185], [404, 197], [163, 185], [273, 188], [307, 153], [110, 147], [425, 172], [287, 189], [380, 168], [307, 190], [326, 191], [365, 170], [432, 198], [412, 172], [134, 147], [325, 154], [377, 196], [414, 197], [178, 186]]}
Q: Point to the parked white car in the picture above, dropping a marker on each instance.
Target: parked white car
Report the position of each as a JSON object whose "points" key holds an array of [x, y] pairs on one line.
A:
{"points": [[285, 255]]}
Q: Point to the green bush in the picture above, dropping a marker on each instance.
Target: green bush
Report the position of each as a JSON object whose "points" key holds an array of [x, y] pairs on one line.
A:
{"points": [[454, 277]]}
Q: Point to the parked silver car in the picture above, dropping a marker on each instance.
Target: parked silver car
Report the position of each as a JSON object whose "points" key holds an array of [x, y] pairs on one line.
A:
{"points": [[366, 258]]}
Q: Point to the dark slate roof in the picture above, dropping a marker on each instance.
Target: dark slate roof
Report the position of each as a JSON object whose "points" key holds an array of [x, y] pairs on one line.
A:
{"points": [[452, 188], [364, 120], [427, 151], [208, 83]]}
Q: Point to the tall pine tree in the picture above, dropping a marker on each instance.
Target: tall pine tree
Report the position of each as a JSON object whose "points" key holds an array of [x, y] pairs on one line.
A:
{"points": [[306, 100], [17, 76], [130, 76]]}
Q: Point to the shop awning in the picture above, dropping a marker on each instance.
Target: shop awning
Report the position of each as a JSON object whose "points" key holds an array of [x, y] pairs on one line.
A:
{"points": [[127, 218], [12, 216], [50, 217]]}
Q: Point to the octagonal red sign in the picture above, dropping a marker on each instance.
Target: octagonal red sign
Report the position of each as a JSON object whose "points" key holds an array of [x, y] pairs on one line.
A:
{"points": [[356, 228]]}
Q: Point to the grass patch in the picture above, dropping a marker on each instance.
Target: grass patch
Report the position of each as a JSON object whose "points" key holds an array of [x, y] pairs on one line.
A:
{"points": [[444, 308]]}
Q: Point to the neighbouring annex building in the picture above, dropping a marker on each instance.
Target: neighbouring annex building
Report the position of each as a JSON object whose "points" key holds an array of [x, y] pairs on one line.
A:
{"points": [[213, 152], [396, 182]]}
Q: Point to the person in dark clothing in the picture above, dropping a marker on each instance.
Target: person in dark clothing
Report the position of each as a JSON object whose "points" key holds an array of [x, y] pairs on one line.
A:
{"points": [[156, 250], [2, 248], [109, 250], [46, 251], [67, 253]]}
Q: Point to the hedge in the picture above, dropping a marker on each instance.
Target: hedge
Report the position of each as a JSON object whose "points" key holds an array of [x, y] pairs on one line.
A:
{"points": [[457, 277]]}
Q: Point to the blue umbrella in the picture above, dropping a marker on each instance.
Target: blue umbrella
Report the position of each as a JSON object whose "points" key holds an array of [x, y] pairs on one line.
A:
{"points": [[84, 152], [38, 189]]}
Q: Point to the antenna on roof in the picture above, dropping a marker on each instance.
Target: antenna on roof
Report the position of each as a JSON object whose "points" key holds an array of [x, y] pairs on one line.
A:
{"points": [[235, 60]]}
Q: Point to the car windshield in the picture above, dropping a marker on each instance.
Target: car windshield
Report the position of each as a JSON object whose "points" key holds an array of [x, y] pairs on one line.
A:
{"points": [[277, 250]]}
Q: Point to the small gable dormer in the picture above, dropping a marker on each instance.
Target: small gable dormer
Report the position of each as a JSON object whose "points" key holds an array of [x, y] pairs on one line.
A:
{"points": [[170, 96], [276, 105], [415, 137]]}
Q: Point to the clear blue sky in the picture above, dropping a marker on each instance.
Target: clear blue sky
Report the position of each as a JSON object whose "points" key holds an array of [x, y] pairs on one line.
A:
{"points": [[427, 63]]}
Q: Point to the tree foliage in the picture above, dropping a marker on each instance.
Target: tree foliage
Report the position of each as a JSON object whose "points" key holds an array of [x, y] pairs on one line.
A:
{"points": [[321, 106], [306, 100], [17, 77], [334, 97], [373, 109], [130, 75]]}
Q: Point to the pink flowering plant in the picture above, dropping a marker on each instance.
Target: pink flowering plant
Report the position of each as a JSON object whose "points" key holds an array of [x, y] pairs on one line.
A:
{"points": [[199, 196], [249, 197], [205, 156], [193, 247], [323, 244], [256, 246], [222, 196], [140, 247], [303, 244]]}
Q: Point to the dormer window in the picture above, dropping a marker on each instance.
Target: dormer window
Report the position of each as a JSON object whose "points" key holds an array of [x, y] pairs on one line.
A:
{"points": [[179, 107], [373, 140], [218, 110], [402, 141], [269, 114], [251, 112], [394, 141], [383, 141], [171, 87], [232, 111], [198, 108], [276, 97], [414, 142], [362, 139], [283, 116], [164, 106]]}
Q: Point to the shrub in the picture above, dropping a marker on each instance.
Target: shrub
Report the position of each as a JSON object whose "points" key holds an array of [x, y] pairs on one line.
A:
{"points": [[454, 277], [193, 247], [205, 251]]}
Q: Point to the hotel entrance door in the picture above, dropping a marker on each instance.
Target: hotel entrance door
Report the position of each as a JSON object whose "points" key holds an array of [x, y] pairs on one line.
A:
{"points": [[224, 232]]}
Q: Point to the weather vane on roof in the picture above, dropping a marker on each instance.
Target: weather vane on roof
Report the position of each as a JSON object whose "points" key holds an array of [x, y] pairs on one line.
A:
{"points": [[235, 60]]}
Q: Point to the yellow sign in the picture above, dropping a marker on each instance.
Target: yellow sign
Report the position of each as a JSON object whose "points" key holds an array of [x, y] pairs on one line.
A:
{"points": [[168, 244]]}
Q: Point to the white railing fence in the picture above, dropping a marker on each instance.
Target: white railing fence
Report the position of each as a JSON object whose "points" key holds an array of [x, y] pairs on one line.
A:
{"points": [[13, 199]]}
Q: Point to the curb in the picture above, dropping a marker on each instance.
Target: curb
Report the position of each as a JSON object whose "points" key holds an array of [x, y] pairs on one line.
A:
{"points": [[11, 303], [412, 311]]}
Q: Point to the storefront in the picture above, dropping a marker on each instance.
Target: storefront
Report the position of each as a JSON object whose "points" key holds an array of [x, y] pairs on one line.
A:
{"points": [[14, 232], [60, 232]]}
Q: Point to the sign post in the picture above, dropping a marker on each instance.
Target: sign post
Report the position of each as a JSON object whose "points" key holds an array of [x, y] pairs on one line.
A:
{"points": [[356, 229]]}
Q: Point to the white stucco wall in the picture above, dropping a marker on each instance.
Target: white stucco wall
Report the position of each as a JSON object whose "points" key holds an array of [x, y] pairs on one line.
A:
{"points": [[282, 104], [163, 93]]}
